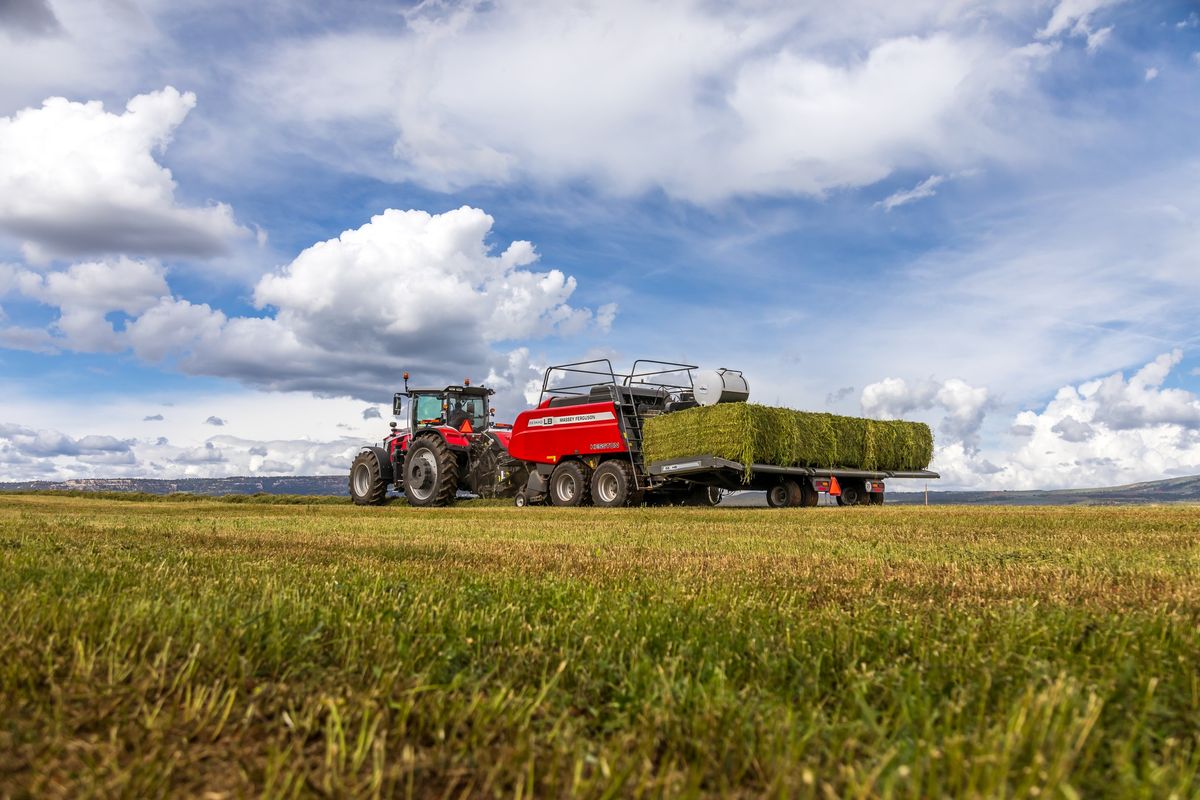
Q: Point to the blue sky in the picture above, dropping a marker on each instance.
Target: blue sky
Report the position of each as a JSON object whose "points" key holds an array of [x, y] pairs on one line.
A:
{"points": [[982, 215]]}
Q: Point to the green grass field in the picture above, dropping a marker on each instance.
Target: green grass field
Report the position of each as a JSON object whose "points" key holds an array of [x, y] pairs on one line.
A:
{"points": [[245, 649]]}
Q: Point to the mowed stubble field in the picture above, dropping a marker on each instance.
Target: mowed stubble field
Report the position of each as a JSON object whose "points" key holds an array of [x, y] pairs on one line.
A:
{"points": [[183, 647]]}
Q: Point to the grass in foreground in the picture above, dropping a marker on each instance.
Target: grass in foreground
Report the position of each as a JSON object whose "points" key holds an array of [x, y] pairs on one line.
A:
{"points": [[283, 650]]}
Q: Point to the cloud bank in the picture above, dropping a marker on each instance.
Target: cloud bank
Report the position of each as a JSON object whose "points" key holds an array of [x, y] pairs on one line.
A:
{"points": [[748, 98], [1101, 432], [408, 290], [78, 180]]}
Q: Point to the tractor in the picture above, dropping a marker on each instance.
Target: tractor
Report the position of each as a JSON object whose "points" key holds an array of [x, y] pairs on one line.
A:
{"points": [[450, 443]]}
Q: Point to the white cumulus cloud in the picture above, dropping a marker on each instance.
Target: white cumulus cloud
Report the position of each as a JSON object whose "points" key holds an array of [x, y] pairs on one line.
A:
{"points": [[408, 290], [1111, 430], [747, 98], [85, 294], [964, 406], [76, 179]]}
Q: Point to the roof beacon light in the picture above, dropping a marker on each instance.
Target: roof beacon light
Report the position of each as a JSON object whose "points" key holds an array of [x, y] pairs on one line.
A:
{"points": [[466, 381]]}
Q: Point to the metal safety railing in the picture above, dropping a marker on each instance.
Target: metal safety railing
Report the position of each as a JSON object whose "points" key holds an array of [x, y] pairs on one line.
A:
{"points": [[582, 378]]}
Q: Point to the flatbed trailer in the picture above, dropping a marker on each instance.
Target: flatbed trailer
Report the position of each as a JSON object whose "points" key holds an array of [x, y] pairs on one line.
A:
{"points": [[722, 473]]}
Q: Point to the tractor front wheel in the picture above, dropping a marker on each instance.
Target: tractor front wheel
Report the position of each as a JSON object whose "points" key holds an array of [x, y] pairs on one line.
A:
{"points": [[367, 486], [569, 485], [430, 472]]}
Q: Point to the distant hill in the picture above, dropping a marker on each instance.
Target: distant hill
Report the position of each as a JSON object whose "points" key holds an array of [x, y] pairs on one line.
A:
{"points": [[306, 485], [1171, 490]]}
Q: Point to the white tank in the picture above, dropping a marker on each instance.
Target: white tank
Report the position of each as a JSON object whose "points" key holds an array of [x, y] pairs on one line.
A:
{"points": [[712, 386]]}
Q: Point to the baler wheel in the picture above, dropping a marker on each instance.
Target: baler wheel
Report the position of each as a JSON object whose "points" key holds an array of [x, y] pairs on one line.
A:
{"points": [[430, 472], [367, 486], [569, 485], [612, 484]]}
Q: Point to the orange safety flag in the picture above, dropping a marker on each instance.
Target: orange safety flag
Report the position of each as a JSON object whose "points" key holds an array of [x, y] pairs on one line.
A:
{"points": [[466, 426], [835, 488]]}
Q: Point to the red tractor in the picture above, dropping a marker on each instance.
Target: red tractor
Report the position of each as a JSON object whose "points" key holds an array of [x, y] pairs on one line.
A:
{"points": [[450, 443]]}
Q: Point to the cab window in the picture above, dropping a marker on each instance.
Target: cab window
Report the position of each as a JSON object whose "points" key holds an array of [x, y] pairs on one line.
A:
{"points": [[429, 409], [468, 409]]}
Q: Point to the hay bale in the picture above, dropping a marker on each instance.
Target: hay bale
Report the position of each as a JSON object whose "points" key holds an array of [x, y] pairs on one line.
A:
{"points": [[754, 434]]}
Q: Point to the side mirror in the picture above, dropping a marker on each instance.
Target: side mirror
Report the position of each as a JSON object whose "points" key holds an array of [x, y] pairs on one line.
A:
{"points": [[397, 405]]}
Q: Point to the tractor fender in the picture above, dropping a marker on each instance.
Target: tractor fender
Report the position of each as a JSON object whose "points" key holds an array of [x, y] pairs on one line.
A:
{"points": [[385, 463], [453, 439]]}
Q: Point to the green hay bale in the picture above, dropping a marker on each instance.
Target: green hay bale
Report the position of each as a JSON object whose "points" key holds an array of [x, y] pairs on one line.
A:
{"points": [[753, 434]]}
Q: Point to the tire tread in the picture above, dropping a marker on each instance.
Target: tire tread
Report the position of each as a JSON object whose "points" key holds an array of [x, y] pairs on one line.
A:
{"points": [[447, 491], [378, 493]]}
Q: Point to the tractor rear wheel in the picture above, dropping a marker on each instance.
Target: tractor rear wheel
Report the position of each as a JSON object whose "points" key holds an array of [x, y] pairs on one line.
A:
{"points": [[612, 484], [367, 486], [430, 472], [569, 485]]}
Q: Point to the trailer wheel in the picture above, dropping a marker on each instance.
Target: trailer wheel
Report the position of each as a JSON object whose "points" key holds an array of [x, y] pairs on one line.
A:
{"points": [[852, 495], [569, 485], [701, 495], [785, 494], [611, 484], [875, 498], [430, 472], [809, 497], [367, 485]]}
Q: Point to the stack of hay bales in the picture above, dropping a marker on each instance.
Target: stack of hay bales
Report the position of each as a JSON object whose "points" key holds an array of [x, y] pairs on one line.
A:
{"points": [[754, 434]]}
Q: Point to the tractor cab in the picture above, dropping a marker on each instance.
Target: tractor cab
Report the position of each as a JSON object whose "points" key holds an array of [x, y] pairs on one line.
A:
{"points": [[463, 408]]}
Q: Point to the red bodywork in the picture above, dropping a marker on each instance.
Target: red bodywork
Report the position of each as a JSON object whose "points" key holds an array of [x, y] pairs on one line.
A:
{"points": [[397, 443], [545, 435]]}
